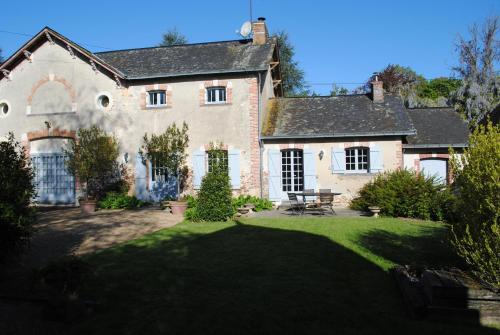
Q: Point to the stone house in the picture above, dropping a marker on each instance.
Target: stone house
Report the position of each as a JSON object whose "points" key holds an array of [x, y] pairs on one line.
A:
{"points": [[227, 92]]}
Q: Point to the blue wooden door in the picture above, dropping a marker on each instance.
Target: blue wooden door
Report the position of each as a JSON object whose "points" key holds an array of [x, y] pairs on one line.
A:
{"points": [[53, 183]]}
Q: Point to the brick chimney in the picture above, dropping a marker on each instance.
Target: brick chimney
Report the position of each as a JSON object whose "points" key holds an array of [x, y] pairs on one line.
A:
{"points": [[259, 29], [377, 90]]}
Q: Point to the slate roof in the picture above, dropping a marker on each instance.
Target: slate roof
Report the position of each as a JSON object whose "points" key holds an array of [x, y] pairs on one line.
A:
{"points": [[437, 127], [191, 59], [340, 116]]}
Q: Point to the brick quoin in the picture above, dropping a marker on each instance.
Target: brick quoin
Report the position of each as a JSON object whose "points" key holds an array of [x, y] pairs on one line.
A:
{"points": [[254, 134]]}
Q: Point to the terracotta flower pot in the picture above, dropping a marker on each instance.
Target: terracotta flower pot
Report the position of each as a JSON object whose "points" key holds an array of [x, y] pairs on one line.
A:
{"points": [[88, 206], [178, 207]]}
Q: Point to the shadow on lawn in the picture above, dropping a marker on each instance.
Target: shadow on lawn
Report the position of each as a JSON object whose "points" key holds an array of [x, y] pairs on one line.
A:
{"points": [[430, 248], [245, 279]]}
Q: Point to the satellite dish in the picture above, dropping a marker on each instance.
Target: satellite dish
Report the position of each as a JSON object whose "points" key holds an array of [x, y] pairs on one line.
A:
{"points": [[246, 29]]}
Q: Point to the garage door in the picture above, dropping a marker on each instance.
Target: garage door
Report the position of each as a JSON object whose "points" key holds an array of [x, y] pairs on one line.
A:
{"points": [[434, 167], [53, 183]]}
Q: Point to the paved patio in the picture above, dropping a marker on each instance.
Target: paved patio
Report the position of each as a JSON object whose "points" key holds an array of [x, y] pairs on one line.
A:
{"points": [[67, 231], [285, 211]]}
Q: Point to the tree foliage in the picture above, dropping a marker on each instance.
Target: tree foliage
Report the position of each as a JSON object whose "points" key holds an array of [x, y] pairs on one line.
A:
{"points": [[477, 173], [16, 183], [93, 159], [338, 90], [478, 93], [397, 78], [168, 149], [292, 75], [172, 37]]}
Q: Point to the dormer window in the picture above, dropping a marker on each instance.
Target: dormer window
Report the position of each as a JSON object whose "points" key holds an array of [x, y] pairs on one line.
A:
{"points": [[216, 95], [157, 99]]}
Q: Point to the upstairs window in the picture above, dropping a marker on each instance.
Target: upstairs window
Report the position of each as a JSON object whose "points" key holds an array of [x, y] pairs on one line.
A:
{"points": [[356, 159], [157, 98], [216, 95], [217, 158]]}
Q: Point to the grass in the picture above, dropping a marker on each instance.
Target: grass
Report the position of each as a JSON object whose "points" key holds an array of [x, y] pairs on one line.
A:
{"points": [[265, 276]]}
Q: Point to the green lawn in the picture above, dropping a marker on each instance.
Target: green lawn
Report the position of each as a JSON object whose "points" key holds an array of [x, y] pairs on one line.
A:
{"points": [[265, 276]]}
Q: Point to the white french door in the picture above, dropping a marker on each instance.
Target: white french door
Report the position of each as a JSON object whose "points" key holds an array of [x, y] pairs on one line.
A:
{"points": [[292, 172]]}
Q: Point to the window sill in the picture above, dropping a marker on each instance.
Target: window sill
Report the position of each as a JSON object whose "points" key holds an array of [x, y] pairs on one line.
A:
{"points": [[158, 107], [216, 104]]}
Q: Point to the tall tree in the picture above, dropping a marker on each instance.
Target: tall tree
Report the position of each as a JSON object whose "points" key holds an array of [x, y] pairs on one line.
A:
{"points": [[397, 78], [479, 92], [172, 37], [291, 74], [338, 90]]}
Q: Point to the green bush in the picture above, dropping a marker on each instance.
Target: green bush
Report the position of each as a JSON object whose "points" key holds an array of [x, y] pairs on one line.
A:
{"points": [[260, 204], [17, 191], [406, 194], [114, 200], [214, 199], [476, 235]]}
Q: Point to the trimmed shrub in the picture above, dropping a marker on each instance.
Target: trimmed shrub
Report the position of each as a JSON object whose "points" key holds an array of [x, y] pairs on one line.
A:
{"points": [[260, 204], [114, 200], [17, 191], [476, 235], [214, 199], [406, 194]]}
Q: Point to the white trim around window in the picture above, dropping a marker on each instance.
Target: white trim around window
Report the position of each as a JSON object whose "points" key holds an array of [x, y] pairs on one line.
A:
{"points": [[4, 108], [216, 95], [156, 98], [357, 160]]}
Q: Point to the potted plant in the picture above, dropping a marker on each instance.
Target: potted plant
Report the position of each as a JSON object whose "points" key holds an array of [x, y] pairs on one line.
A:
{"points": [[169, 151], [92, 159]]}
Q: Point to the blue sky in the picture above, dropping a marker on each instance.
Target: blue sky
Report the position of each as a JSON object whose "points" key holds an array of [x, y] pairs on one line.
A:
{"points": [[335, 41]]}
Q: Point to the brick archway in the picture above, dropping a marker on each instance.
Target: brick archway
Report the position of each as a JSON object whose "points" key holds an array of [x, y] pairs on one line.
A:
{"points": [[47, 133], [52, 78]]}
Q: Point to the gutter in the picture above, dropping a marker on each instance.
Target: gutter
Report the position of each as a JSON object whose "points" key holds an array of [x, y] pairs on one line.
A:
{"points": [[424, 146], [187, 74], [339, 135]]}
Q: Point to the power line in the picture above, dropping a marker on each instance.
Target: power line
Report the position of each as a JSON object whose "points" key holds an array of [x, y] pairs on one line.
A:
{"points": [[29, 35]]}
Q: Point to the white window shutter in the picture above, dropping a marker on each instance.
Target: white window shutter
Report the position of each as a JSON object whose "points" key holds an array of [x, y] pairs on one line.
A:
{"points": [[309, 171], [376, 162], [274, 165], [338, 160], [141, 191], [198, 168], [234, 168]]}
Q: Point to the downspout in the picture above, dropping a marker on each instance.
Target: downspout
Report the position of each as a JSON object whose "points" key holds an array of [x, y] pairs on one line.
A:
{"points": [[261, 145]]}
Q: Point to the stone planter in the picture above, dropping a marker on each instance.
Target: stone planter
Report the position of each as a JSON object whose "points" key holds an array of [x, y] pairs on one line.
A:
{"points": [[375, 210], [178, 207], [88, 206]]}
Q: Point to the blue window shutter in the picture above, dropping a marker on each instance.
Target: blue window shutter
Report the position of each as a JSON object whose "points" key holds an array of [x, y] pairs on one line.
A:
{"points": [[338, 160], [309, 171], [234, 168], [274, 162], [376, 164], [141, 191], [198, 168]]}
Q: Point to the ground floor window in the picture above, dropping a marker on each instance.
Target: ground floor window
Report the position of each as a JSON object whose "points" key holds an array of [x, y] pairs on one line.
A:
{"points": [[356, 159], [217, 158], [292, 170], [158, 171]]}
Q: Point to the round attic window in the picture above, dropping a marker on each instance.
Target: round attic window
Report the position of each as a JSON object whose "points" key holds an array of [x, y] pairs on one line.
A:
{"points": [[103, 101], [4, 109]]}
